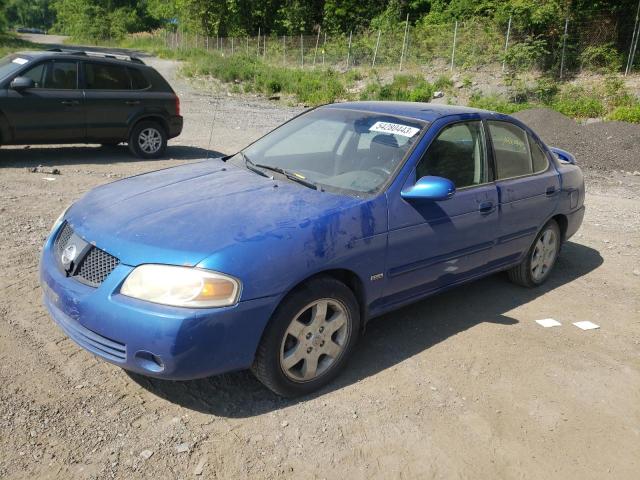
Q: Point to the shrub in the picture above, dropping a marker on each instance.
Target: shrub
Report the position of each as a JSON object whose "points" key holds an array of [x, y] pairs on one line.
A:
{"points": [[526, 54], [575, 101], [412, 88], [601, 58], [496, 103], [626, 114]]}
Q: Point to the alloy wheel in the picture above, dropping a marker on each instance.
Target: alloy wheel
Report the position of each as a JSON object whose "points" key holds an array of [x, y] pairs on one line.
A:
{"points": [[150, 140], [315, 340], [544, 254]]}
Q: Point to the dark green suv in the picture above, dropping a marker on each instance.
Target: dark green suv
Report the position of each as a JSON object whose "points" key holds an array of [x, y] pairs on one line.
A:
{"points": [[64, 96]]}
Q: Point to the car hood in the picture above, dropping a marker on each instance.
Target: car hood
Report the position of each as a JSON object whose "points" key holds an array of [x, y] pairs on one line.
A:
{"points": [[182, 215]]}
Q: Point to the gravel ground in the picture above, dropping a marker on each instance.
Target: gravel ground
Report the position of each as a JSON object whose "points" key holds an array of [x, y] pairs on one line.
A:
{"points": [[602, 146], [463, 385]]}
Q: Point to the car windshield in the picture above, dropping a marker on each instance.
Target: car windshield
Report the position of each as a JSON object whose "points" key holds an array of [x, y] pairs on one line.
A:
{"points": [[11, 64], [335, 149]]}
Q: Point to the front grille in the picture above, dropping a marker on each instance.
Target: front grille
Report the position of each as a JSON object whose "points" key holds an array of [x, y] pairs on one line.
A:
{"points": [[96, 265], [63, 237]]}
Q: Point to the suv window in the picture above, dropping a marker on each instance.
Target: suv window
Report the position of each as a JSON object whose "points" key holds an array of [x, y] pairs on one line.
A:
{"points": [[540, 160], [512, 154], [138, 80], [61, 75], [36, 74], [459, 154], [102, 76]]}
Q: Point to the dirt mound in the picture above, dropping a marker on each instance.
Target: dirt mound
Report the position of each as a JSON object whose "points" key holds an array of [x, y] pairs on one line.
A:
{"points": [[601, 145]]}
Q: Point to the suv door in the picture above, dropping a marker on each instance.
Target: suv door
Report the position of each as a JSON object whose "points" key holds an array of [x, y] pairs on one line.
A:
{"points": [[53, 111], [528, 188], [433, 244], [111, 103]]}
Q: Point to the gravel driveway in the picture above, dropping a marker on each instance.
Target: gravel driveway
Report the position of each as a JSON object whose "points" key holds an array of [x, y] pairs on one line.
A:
{"points": [[462, 385]]}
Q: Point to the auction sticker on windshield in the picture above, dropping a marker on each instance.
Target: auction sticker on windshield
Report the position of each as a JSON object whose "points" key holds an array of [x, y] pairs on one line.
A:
{"points": [[394, 128], [20, 61]]}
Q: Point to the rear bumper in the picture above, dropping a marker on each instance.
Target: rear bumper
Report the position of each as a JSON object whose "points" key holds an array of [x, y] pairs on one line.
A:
{"points": [[574, 221], [175, 126], [152, 339]]}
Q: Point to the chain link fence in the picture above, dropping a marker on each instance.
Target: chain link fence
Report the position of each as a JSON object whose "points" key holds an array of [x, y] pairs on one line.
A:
{"points": [[605, 44]]}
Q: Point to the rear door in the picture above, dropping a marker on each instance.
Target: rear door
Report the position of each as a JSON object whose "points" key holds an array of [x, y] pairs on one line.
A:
{"points": [[528, 188], [111, 102], [53, 111]]}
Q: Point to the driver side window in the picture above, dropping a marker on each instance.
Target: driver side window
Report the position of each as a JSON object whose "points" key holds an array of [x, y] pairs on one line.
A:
{"points": [[458, 154], [36, 74]]}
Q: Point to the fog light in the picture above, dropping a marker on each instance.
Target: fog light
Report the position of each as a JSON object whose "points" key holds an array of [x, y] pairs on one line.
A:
{"points": [[148, 361]]}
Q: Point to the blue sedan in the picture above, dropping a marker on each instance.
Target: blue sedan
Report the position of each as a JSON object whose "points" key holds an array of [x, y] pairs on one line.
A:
{"points": [[275, 258]]}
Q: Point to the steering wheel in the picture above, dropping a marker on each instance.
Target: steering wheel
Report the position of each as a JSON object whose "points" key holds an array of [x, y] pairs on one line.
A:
{"points": [[386, 172]]}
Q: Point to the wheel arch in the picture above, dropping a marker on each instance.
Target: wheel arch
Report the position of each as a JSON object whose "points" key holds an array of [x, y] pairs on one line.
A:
{"points": [[563, 224], [149, 118]]}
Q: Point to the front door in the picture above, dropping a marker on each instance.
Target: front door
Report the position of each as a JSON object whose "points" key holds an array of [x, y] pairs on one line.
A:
{"points": [[433, 244], [53, 111]]}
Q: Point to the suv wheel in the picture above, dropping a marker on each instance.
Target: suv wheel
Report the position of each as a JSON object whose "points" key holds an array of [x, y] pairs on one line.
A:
{"points": [[537, 265], [148, 140], [309, 338]]}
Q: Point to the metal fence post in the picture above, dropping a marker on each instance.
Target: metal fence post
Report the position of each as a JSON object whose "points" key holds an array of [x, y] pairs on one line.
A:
{"points": [[506, 45], [324, 47], [247, 45], [258, 49], [231, 45], [564, 46], [315, 52], [284, 50], [634, 43], [453, 49], [375, 52], [404, 41], [349, 48], [301, 51]]}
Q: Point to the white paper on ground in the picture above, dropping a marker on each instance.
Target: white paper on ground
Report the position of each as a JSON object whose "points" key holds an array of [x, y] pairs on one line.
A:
{"points": [[586, 325], [548, 322], [49, 179]]}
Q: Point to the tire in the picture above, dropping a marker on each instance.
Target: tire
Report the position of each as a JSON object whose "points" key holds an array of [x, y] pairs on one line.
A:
{"points": [[148, 149], [536, 267], [301, 329]]}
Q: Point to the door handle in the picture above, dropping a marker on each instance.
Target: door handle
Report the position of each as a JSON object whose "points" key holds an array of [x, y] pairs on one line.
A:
{"points": [[69, 103], [486, 207], [132, 102], [550, 191]]}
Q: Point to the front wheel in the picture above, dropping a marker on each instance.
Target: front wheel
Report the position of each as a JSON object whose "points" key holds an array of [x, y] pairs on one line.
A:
{"points": [[148, 140], [309, 338], [541, 258]]}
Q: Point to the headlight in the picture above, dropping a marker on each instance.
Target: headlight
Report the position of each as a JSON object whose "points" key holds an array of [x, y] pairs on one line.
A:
{"points": [[181, 286], [59, 220]]}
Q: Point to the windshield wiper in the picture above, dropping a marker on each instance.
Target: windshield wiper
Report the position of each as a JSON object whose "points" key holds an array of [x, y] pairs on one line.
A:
{"points": [[296, 177], [252, 166]]}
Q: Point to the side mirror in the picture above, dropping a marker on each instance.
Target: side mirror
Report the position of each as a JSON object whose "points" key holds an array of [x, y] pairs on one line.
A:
{"points": [[22, 83], [430, 188]]}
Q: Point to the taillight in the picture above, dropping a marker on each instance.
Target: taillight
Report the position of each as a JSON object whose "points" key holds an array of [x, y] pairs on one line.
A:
{"points": [[177, 105]]}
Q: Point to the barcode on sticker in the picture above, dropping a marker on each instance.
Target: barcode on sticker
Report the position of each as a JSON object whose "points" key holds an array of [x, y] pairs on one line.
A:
{"points": [[394, 128]]}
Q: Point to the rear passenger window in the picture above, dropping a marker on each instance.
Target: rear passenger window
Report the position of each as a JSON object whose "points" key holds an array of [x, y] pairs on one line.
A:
{"points": [[101, 76], [138, 81], [512, 155], [62, 76], [540, 161]]}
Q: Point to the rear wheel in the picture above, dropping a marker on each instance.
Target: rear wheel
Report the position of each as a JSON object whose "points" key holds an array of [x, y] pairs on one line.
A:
{"points": [[541, 258], [148, 139], [309, 338]]}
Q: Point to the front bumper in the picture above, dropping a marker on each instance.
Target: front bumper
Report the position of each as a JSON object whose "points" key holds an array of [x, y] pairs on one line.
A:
{"points": [[150, 339]]}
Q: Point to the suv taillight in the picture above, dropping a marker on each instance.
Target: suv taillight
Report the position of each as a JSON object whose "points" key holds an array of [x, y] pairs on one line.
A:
{"points": [[177, 105]]}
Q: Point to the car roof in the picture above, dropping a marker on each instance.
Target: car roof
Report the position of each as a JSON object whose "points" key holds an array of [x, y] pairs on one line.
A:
{"points": [[428, 112], [110, 57]]}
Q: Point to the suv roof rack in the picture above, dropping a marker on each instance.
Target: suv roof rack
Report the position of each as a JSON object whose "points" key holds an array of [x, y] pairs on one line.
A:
{"points": [[87, 53]]}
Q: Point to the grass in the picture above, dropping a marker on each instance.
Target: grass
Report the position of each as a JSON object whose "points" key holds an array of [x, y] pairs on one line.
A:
{"points": [[9, 43]]}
